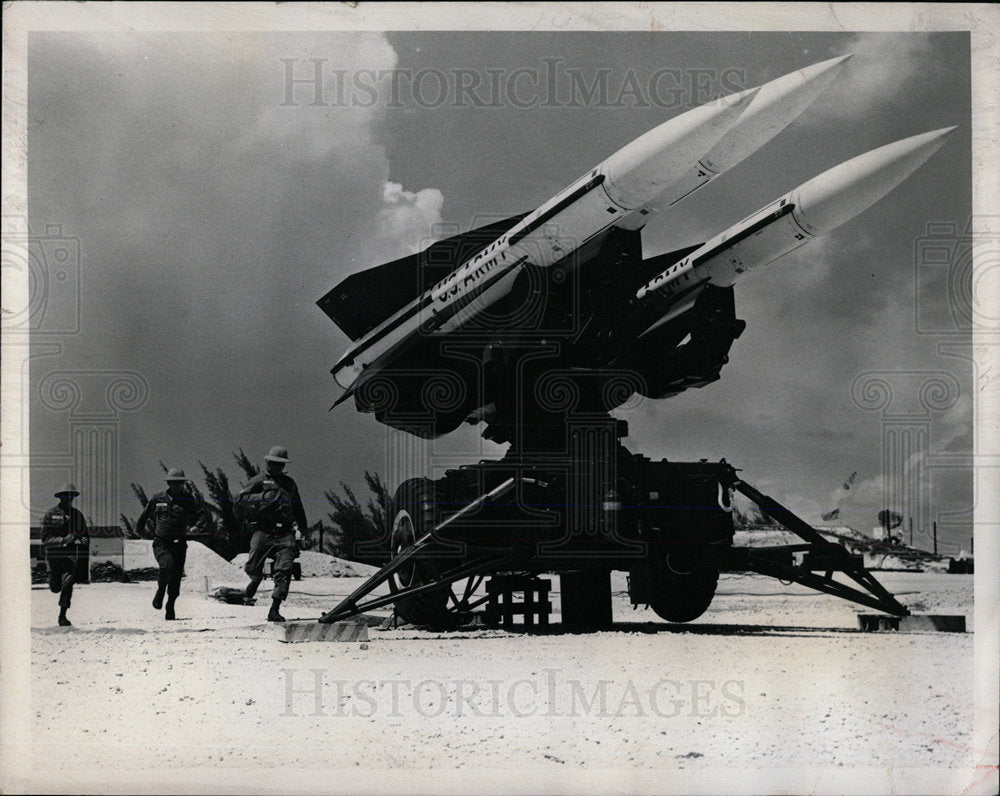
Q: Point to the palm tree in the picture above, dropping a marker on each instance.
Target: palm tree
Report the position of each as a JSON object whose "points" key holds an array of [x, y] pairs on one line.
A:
{"points": [[360, 532]]}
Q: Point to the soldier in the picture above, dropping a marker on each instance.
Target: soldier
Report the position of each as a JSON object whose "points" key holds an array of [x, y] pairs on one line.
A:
{"points": [[271, 508], [171, 513], [65, 539]]}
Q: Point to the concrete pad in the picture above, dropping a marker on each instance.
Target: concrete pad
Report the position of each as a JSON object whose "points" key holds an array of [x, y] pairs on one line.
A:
{"points": [[943, 623], [297, 632]]}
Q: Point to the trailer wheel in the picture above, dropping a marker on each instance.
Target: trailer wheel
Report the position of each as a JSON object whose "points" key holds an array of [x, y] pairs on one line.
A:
{"points": [[414, 513], [682, 592]]}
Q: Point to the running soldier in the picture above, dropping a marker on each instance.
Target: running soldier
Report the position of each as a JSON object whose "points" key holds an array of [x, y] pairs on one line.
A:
{"points": [[65, 539], [272, 510], [171, 513]]}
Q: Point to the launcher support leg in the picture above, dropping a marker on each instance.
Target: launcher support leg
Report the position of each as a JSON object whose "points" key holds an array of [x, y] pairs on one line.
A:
{"points": [[352, 605], [878, 596]]}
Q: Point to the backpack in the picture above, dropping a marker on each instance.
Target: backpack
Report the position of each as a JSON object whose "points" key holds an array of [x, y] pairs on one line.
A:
{"points": [[267, 504]]}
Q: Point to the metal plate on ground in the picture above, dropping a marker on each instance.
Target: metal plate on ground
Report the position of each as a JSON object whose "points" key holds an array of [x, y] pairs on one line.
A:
{"points": [[297, 632], [941, 623]]}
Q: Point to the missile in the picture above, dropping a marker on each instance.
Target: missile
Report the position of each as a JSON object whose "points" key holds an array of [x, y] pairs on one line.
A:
{"points": [[776, 105], [627, 180], [655, 160], [656, 170], [586, 209], [814, 208]]}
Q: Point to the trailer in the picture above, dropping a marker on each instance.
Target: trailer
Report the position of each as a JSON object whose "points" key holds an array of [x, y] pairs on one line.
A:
{"points": [[669, 525]]}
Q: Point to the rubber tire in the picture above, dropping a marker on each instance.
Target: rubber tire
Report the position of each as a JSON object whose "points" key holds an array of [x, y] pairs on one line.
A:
{"points": [[414, 513], [682, 596]]}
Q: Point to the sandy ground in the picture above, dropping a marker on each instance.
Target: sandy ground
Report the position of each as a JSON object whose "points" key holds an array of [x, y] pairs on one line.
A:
{"points": [[772, 677]]}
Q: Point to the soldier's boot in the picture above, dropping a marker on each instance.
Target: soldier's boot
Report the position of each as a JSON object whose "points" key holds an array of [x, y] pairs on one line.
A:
{"points": [[169, 613], [251, 590], [64, 599], [273, 615], [158, 597]]}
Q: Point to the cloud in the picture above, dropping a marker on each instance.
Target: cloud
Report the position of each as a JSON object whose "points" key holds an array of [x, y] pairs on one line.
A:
{"points": [[187, 158], [867, 492], [213, 216], [409, 218], [884, 66], [955, 424], [315, 108]]}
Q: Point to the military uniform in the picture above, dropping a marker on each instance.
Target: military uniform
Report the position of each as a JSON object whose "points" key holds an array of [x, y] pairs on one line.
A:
{"points": [[65, 540], [271, 509], [170, 515]]}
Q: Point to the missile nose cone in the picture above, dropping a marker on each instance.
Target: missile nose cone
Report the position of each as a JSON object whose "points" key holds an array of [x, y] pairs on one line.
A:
{"points": [[644, 168], [825, 71], [828, 200], [740, 99], [824, 67], [943, 133], [840, 59], [776, 105]]}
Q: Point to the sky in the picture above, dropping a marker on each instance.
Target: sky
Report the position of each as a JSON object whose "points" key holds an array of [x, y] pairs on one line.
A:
{"points": [[212, 202]]}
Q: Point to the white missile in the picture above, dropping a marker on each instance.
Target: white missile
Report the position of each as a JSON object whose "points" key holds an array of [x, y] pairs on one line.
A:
{"points": [[813, 209], [776, 105], [587, 208], [654, 161]]}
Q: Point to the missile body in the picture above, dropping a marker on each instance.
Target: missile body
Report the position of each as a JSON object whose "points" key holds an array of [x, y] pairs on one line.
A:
{"points": [[653, 172], [813, 209], [591, 205], [774, 107]]}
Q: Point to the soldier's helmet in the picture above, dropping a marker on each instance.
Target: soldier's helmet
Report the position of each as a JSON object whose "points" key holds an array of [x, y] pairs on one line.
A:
{"points": [[278, 454], [66, 489], [175, 474]]}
